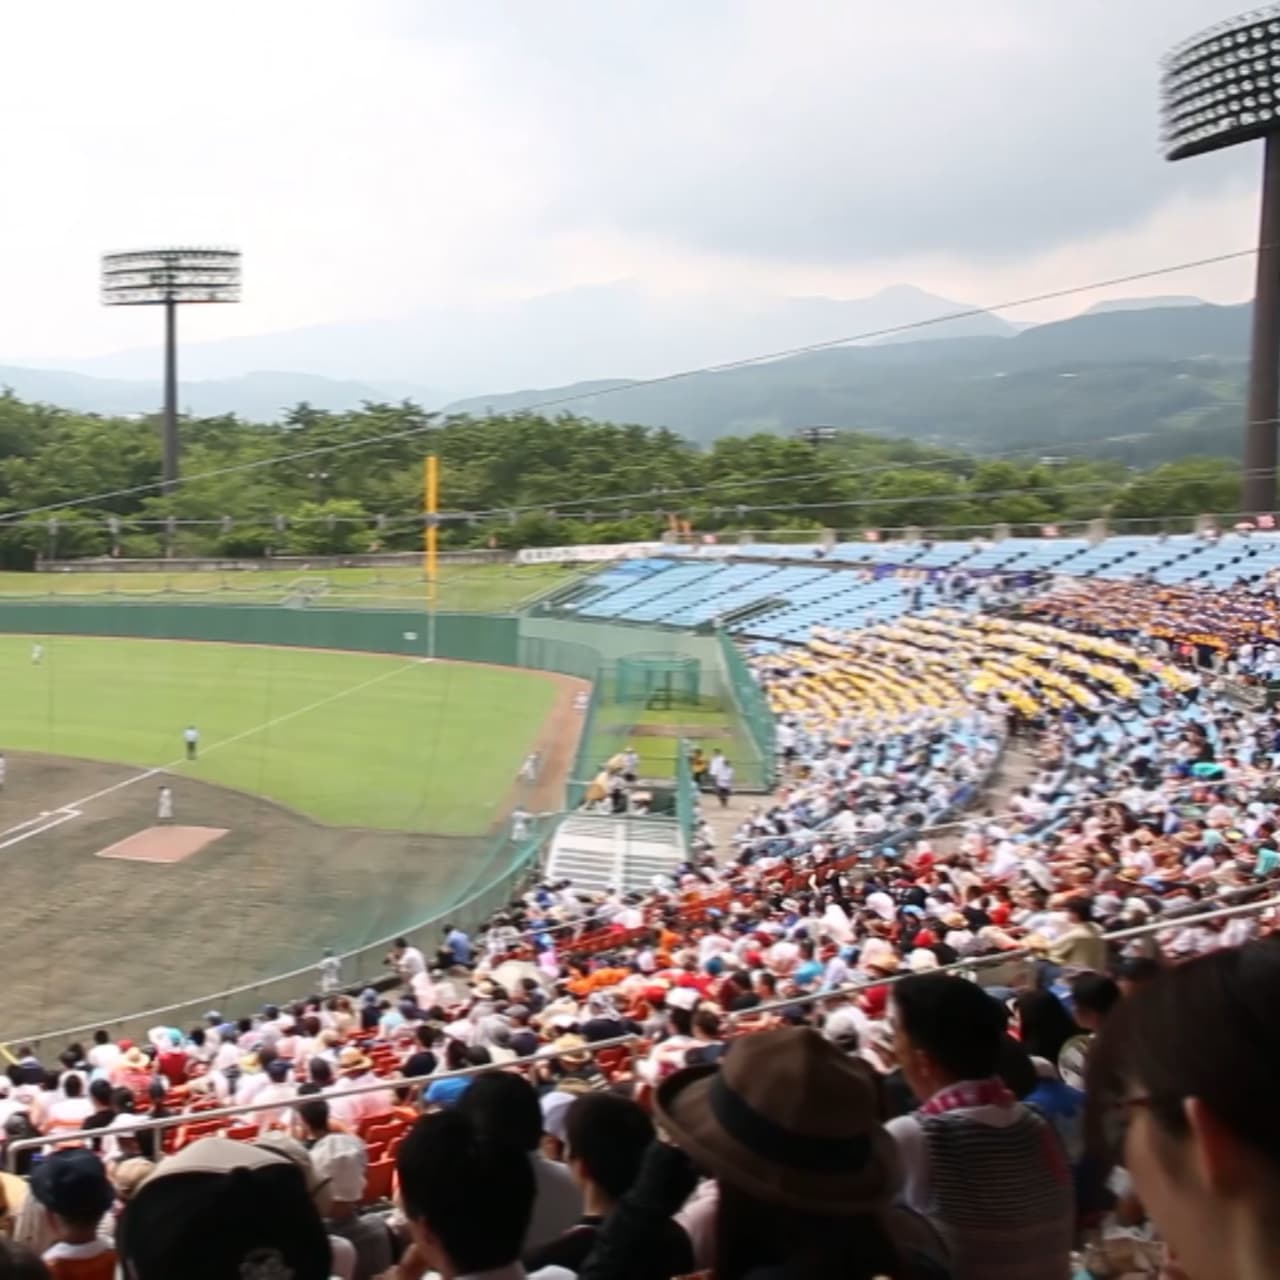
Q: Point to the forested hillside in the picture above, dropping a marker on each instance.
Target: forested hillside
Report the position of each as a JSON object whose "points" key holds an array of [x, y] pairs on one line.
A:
{"points": [[514, 481]]}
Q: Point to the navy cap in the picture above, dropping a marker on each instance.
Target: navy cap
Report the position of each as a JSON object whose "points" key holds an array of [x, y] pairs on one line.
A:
{"points": [[73, 1184]]}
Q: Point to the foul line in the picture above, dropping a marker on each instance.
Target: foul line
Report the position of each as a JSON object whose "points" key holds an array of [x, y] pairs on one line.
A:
{"points": [[51, 818]]}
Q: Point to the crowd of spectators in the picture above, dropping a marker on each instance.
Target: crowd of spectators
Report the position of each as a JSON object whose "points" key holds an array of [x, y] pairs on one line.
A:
{"points": [[960, 999]]}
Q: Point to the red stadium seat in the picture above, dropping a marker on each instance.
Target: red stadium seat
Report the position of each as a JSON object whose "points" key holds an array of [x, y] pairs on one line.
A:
{"points": [[378, 1181]]}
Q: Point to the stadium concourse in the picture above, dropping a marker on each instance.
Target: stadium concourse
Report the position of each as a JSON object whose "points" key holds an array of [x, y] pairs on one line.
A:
{"points": [[1021, 867]]}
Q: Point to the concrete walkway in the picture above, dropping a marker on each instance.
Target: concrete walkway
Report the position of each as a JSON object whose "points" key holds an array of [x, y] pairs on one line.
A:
{"points": [[725, 821]]}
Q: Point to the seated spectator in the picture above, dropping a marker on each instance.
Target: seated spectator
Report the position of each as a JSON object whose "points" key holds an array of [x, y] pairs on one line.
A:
{"points": [[1081, 946], [73, 1189], [280, 1088], [1182, 1081], [68, 1113], [987, 1171], [422, 1059], [805, 1175], [468, 1198], [311, 1120], [446, 1092], [606, 1139], [505, 1107], [340, 1162], [350, 1108], [133, 1070], [220, 1209]]}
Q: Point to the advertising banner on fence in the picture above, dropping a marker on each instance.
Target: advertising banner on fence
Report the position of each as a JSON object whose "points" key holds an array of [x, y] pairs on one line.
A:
{"points": [[589, 553]]}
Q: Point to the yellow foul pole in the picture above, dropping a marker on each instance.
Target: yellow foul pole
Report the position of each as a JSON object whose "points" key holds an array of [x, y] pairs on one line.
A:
{"points": [[431, 496]]}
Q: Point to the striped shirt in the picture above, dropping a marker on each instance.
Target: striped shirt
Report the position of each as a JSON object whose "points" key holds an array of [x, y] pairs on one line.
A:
{"points": [[993, 1181]]}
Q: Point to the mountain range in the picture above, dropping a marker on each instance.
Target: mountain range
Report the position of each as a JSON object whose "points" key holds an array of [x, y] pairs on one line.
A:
{"points": [[1135, 378]]}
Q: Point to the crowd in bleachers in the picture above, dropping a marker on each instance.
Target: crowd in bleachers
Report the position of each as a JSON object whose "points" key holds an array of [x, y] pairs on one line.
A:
{"points": [[789, 1086]]}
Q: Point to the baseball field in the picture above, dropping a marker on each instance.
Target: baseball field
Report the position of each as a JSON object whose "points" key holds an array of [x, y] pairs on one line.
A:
{"points": [[334, 798]]}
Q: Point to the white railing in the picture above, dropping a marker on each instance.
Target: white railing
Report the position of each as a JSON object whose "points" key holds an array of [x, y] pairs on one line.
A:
{"points": [[144, 1125], [962, 968]]}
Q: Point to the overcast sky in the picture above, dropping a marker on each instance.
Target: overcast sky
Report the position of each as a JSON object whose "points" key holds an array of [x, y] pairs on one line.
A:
{"points": [[374, 157]]}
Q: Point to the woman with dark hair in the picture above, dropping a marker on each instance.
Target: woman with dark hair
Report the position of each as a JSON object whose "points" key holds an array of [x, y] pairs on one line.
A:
{"points": [[1182, 1091], [1043, 1024]]}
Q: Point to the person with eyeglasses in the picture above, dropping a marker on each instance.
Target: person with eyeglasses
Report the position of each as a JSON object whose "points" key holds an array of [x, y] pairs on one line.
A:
{"points": [[1182, 1095]]}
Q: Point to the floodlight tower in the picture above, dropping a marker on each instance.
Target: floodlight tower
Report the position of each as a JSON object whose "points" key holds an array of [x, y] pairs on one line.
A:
{"points": [[168, 277], [1220, 88]]}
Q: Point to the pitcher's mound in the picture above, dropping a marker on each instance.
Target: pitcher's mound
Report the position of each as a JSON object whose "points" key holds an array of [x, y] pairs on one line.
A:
{"points": [[163, 844]]}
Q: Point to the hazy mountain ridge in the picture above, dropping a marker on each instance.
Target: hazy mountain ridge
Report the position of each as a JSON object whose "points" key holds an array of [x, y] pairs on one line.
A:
{"points": [[1138, 382]]}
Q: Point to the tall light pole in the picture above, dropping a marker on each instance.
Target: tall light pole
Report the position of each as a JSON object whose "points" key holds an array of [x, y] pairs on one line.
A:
{"points": [[167, 278], [1221, 88]]}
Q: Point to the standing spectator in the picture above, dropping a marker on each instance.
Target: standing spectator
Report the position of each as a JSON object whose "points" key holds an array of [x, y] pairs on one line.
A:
{"points": [[341, 1161], [985, 1170], [505, 1108], [468, 1197], [407, 961], [330, 970], [724, 783], [73, 1189]]}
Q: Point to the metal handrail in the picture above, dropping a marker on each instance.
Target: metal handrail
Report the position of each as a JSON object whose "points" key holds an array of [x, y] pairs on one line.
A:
{"points": [[253, 1108], [964, 968], [960, 968]]}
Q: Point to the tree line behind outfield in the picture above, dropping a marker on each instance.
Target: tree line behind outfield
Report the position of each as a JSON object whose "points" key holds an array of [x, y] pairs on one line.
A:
{"points": [[523, 480]]}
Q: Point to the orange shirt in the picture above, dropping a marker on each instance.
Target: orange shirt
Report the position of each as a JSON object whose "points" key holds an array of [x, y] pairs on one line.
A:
{"points": [[95, 1260]]}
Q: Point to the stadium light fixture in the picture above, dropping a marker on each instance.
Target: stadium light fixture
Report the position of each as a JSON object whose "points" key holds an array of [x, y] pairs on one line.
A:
{"points": [[170, 278], [1221, 88]]}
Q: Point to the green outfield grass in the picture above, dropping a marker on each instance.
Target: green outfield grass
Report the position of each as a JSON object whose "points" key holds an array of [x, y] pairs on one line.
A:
{"points": [[350, 739], [480, 588]]}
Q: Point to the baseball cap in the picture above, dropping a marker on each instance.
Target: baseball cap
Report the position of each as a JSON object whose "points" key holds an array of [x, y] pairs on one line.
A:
{"points": [[341, 1160], [221, 1208], [73, 1184]]}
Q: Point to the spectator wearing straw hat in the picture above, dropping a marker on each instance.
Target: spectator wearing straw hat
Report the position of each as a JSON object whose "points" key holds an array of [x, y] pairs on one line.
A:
{"points": [[348, 1108]]}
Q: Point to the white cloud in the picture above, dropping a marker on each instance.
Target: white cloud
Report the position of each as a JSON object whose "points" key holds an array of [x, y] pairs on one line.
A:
{"points": [[374, 158]]}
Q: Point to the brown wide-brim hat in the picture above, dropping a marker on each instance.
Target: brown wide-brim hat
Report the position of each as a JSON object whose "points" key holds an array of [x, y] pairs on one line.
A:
{"points": [[789, 1119]]}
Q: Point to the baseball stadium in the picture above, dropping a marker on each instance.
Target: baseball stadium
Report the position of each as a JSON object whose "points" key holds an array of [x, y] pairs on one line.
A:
{"points": [[808, 813], [356, 767]]}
